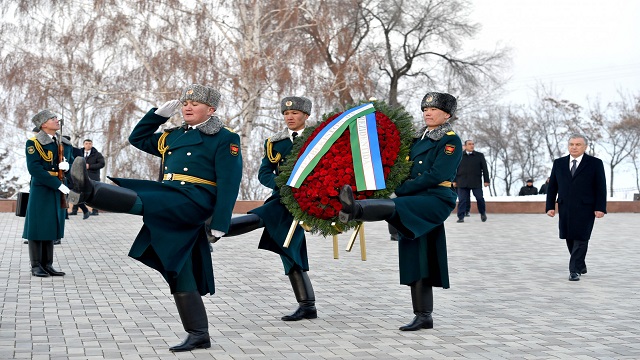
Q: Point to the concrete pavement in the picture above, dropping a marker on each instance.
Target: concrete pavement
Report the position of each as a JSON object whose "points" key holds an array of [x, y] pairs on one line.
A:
{"points": [[509, 297]]}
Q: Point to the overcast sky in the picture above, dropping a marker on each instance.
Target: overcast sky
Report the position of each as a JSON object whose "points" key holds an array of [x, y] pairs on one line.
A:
{"points": [[583, 48]]}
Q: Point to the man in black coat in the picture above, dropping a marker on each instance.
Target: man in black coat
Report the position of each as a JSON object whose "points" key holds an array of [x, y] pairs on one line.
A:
{"points": [[471, 171], [95, 162], [528, 189], [579, 182]]}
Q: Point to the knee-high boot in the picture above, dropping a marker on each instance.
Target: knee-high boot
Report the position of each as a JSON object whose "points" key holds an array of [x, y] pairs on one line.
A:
{"points": [[47, 259], [364, 210], [97, 194], [194, 320], [303, 291], [35, 257], [422, 300]]}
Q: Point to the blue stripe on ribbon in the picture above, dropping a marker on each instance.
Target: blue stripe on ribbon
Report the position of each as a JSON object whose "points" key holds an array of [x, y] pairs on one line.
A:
{"points": [[374, 146]]}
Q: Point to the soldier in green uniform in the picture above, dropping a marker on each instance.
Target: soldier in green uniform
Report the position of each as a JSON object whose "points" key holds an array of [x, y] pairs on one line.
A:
{"points": [[275, 218], [420, 206], [202, 169], [44, 221]]}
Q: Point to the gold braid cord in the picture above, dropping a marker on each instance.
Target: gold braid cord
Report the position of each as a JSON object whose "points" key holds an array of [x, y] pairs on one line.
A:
{"points": [[48, 157], [162, 148], [273, 159]]}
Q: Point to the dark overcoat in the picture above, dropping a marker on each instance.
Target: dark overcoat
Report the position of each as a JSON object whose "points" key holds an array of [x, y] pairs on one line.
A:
{"points": [[578, 196], [95, 160], [472, 171], [174, 211], [422, 206], [277, 219], [45, 218]]}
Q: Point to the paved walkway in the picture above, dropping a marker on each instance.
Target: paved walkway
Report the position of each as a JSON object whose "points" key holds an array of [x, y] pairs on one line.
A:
{"points": [[510, 298]]}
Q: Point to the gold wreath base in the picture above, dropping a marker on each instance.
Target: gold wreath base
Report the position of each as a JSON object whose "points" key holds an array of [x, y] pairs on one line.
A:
{"points": [[359, 230]]}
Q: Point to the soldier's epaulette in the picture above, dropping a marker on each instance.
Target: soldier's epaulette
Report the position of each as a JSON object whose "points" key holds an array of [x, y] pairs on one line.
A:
{"points": [[230, 129], [451, 132], [32, 138], [172, 129]]}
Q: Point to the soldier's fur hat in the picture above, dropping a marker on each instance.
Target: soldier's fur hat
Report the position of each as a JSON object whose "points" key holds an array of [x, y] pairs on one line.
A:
{"points": [[202, 94], [442, 101], [42, 117], [296, 103]]}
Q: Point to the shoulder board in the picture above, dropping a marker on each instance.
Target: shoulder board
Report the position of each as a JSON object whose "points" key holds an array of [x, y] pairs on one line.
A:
{"points": [[32, 138], [230, 129], [451, 132]]}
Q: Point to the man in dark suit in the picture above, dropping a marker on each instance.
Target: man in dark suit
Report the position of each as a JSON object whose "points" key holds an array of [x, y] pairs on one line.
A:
{"points": [[95, 162], [578, 181], [471, 171]]}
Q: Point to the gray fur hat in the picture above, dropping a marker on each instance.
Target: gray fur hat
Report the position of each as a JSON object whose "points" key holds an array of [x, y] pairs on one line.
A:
{"points": [[296, 103], [442, 101], [42, 117], [202, 94]]}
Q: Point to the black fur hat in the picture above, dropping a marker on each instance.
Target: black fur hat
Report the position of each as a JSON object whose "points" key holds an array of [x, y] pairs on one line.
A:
{"points": [[442, 101]]}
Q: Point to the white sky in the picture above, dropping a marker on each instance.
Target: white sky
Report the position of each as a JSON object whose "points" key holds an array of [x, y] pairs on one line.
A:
{"points": [[582, 48]]}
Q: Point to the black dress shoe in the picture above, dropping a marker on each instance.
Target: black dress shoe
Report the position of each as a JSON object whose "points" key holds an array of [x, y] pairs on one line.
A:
{"points": [[57, 242], [25, 242], [460, 220], [73, 213], [574, 277], [86, 215], [419, 322], [483, 217], [192, 342], [303, 312]]}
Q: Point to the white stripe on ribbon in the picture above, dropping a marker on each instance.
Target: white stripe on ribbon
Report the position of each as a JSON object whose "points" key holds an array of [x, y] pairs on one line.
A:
{"points": [[323, 141]]}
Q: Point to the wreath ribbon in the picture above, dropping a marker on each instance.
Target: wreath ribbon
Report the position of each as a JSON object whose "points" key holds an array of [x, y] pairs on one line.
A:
{"points": [[364, 148]]}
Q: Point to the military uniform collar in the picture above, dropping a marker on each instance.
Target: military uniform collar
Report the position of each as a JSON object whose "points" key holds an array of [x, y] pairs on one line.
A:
{"points": [[209, 127], [281, 135], [435, 134], [44, 138]]}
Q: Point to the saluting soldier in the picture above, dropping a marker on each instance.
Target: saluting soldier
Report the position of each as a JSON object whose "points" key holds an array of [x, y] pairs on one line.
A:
{"points": [[421, 205], [275, 217], [202, 169], [44, 221]]}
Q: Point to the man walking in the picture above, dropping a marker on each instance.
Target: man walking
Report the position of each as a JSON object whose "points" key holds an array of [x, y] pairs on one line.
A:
{"points": [[471, 171], [95, 162], [579, 182]]}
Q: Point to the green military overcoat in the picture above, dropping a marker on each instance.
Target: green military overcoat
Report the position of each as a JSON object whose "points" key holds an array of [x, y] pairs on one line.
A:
{"points": [[174, 210], [423, 203], [45, 217], [276, 217]]}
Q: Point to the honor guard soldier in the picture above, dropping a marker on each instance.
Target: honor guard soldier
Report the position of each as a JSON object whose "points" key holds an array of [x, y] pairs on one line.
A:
{"points": [[46, 209], [420, 207], [202, 169], [275, 217]]}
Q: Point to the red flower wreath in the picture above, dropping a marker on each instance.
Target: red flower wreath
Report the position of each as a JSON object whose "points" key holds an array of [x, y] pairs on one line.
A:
{"points": [[316, 201]]}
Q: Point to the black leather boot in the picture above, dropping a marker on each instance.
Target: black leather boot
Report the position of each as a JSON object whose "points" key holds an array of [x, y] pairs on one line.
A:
{"points": [[364, 210], [35, 256], [422, 299], [97, 194], [47, 259], [304, 295], [194, 320]]}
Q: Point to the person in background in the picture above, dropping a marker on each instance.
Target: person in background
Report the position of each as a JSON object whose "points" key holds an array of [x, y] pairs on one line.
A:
{"points": [[202, 169], [472, 169], [95, 162], [422, 249], [579, 183], [74, 209], [45, 218], [528, 189], [543, 187]]}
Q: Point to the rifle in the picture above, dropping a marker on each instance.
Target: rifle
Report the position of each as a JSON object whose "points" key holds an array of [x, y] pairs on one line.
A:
{"points": [[63, 197]]}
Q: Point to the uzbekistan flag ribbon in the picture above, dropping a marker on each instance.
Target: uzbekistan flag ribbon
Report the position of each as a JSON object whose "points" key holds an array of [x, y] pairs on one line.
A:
{"points": [[364, 147]]}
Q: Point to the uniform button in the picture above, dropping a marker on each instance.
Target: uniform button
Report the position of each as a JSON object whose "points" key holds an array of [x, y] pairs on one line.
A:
{"points": [[186, 169], [189, 154], [419, 174], [165, 168], [169, 153], [420, 162], [182, 182]]}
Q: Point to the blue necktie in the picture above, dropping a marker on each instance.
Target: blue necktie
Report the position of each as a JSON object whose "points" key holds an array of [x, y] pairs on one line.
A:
{"points": [[573, 167]]}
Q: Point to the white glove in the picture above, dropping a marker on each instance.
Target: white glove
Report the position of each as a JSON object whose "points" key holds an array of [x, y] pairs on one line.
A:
{"points": [[217, 233], [393, 195], [169, 108], [63, 189], [64, 166]]}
